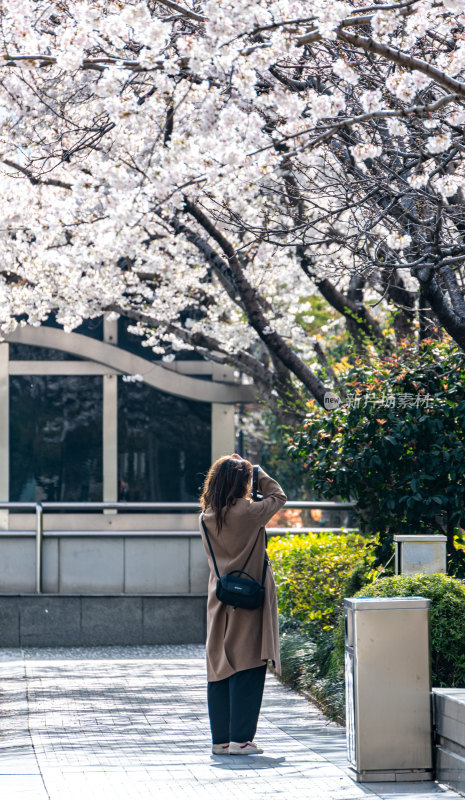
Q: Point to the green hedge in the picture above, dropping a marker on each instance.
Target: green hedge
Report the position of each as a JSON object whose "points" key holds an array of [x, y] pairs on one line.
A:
{"points": [[447, 620], [311, 572], [309, 665], [314, 572]]}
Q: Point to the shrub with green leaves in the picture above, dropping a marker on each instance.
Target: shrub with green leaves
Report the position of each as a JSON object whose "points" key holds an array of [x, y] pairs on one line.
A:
{"points": [[311, 571], [447, 597], [309, 665], [397, 445]]}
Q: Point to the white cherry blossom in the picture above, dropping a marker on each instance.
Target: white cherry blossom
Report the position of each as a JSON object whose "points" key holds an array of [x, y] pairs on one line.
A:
{"points": [[439, 143], [398, 242], [372, 100], [362, 152], [345, 71], [170, 165]]}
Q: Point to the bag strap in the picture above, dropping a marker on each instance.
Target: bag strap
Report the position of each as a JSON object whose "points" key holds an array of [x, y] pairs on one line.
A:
{"points": [[241, 572], [265, 567], [265, 561], [210, 546], [250, 554]]}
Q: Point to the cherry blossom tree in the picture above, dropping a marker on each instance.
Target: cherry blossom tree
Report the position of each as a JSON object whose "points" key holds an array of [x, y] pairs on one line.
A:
{"points": [[205, 168]]}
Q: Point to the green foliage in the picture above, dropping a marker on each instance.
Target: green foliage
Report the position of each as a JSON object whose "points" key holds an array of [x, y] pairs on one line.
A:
{"points": [[310, 667], [314, 572], [297, 651], [317, 313], [402, 459], [447, 620], [360, 575], [326, 686], [274, 458], [311, 571]]}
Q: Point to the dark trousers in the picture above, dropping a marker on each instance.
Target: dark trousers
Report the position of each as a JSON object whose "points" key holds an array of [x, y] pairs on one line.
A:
{"points": [[234, 705]]}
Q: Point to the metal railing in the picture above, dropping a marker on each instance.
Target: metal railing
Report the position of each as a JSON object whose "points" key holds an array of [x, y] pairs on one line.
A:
{"points": [[40, 508]]}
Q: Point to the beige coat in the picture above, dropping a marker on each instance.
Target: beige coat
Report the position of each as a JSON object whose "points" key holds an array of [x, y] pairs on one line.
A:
{"points": [[240, 638]]}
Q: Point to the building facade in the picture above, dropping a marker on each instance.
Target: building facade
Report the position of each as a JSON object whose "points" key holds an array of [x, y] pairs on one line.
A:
{"points": [[92, 416]]}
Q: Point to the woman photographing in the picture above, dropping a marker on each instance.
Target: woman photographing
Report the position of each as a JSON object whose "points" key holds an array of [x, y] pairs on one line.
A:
{"points": [[240, 641]]}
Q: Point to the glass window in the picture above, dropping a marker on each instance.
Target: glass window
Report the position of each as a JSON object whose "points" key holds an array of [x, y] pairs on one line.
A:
{"points": [[56, 438], [89, 327], [164, 444], [28, 352]]}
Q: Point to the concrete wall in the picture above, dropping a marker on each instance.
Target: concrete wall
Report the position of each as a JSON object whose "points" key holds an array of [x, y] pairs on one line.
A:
{"points": [[63, 620], [89, 522], [449, 716], [165, 562], [103, 587]]}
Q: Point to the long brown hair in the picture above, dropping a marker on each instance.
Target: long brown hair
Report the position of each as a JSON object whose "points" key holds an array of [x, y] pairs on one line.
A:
{"points": [[228, 479]]}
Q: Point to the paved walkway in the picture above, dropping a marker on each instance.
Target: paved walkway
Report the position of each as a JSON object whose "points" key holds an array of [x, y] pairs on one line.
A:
{"points": [[131, 724]]}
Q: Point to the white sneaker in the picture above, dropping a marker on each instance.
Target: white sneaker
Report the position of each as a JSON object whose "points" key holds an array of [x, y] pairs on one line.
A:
{"points": [[220, 749], [244, 749]]}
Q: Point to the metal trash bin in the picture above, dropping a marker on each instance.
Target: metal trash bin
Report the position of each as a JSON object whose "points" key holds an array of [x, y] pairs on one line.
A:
{"points": [[388, 688], [420, 553]]}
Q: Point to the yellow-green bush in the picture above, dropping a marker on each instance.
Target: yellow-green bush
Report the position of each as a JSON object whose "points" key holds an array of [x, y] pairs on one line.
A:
{"points": [[311, 571]]}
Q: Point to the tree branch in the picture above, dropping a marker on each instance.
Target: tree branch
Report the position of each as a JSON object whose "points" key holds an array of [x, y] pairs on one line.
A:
{"points": [[403, 60], [99, 63], [185, 12], [403, 299], [321, 355], [36, 181], [240, 359], [273, 340], [218, 264], [454, 290], [453, 323], [277, 397]]}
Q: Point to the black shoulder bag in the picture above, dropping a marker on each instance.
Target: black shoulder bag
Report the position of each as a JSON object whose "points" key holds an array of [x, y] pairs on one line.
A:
{"points": [[232, 589]]}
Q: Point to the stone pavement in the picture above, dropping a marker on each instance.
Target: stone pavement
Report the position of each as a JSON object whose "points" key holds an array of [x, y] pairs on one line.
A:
{"points": [[131, 723]]}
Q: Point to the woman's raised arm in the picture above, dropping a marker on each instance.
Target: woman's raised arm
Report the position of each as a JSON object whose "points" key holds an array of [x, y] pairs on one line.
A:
{"points": [[273, 499]]}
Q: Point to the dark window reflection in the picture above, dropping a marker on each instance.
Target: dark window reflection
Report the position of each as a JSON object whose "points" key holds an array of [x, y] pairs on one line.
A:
{"points": [[89, 327], [56, 438], [27, 352], [164, 444]]}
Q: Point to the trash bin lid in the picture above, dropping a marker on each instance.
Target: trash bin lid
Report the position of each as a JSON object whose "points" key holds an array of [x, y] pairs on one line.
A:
{"points": [[385, 603]]}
